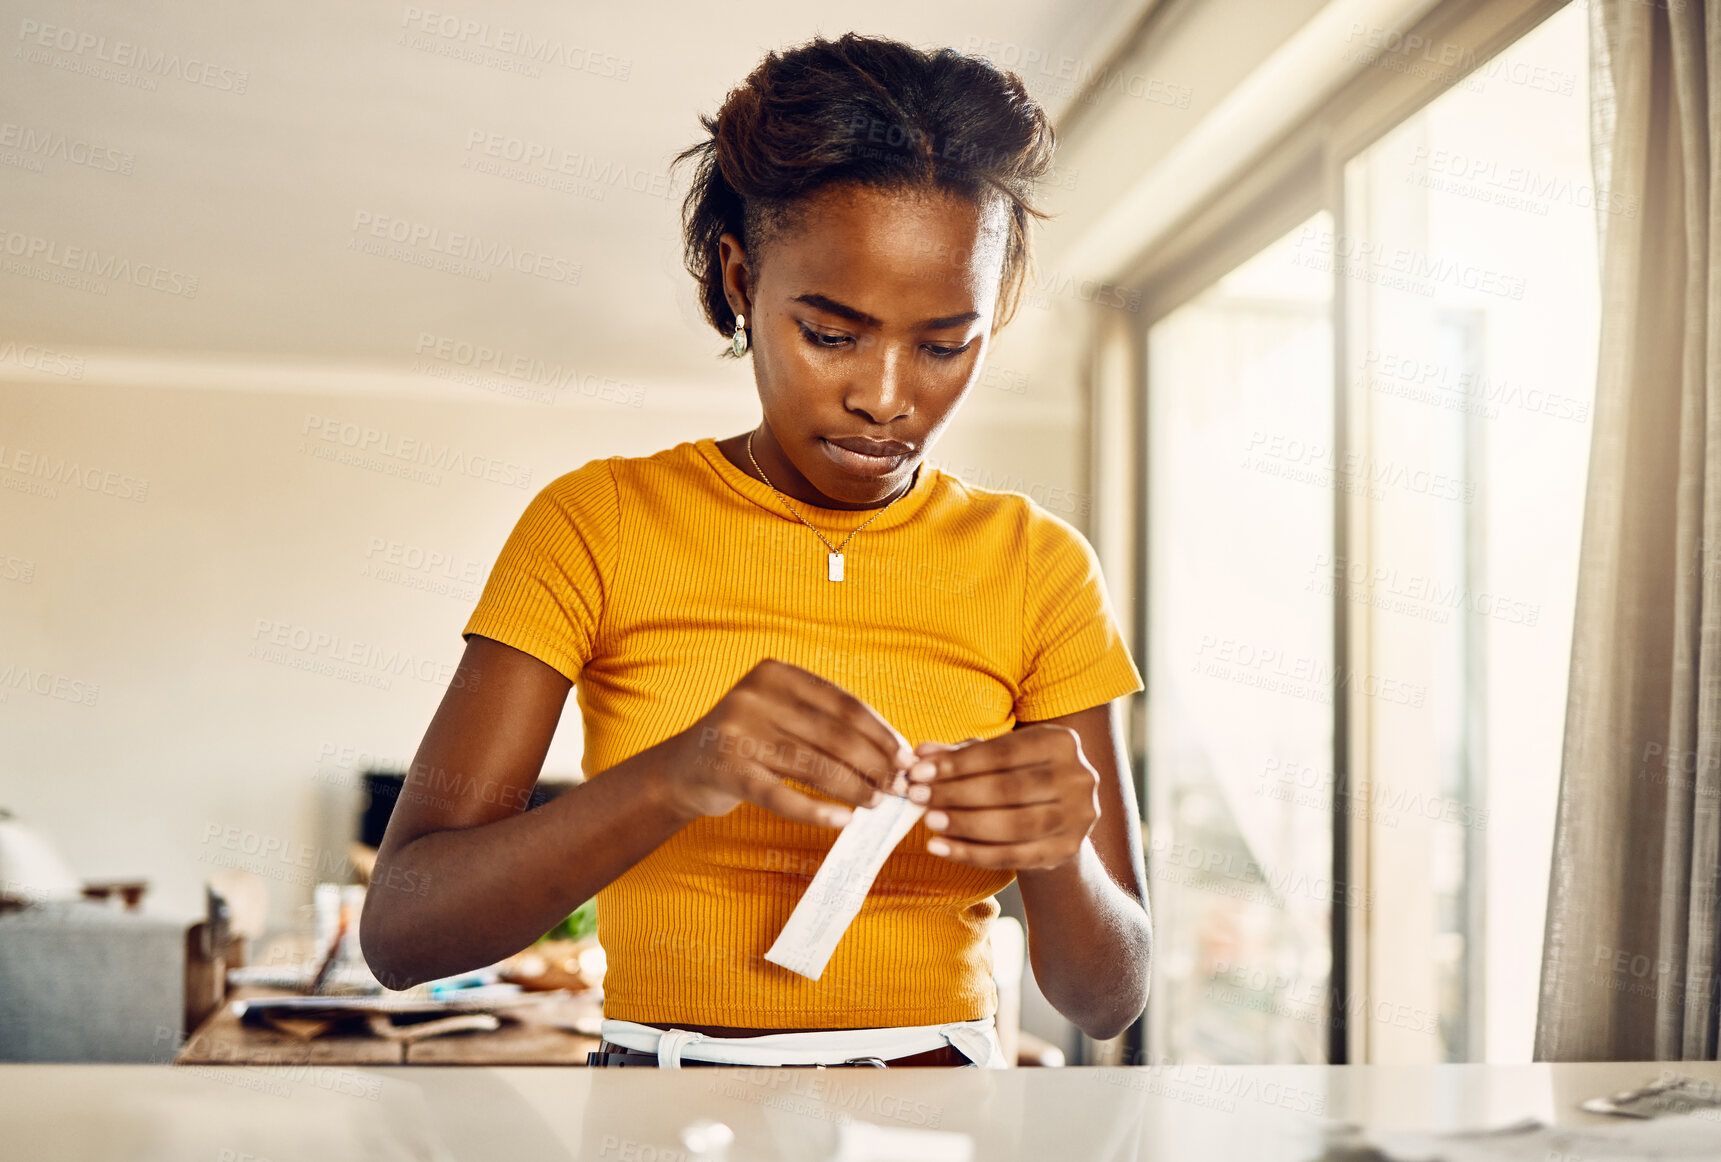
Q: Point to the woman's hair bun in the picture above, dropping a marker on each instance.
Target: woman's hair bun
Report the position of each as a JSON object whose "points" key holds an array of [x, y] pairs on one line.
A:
{"points": [[866, 110]]}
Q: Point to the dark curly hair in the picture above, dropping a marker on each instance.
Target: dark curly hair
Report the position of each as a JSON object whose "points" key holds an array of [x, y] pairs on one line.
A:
{"points": [[865, 110]]}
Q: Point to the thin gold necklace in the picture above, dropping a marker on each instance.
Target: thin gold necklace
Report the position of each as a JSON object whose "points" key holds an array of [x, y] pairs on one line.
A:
{"points": [[835, 561]]}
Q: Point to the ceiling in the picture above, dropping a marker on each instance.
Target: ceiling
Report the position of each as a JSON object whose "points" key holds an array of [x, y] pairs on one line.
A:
{"points": [[193, 219]]}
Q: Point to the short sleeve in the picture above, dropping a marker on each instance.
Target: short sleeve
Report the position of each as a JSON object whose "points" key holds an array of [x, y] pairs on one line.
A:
{"points": [[1073, 655], [545, 594]]}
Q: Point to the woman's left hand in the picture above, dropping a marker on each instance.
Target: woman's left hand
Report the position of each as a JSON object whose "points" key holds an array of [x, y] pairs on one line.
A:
{"points": [[1025, 799]]}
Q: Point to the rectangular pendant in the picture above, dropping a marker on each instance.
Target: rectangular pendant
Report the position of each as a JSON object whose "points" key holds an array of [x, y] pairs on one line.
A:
{"points": [[836, 573]]}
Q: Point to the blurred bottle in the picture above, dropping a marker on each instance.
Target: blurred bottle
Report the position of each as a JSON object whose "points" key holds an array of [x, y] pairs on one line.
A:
{"points": [[327, 902]]}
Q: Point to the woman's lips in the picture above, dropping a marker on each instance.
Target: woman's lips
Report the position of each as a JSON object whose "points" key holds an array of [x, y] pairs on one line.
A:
{"points": [[860, 463]]}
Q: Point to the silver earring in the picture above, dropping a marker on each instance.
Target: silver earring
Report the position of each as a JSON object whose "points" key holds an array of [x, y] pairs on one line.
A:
{"points": [[738, 341]]}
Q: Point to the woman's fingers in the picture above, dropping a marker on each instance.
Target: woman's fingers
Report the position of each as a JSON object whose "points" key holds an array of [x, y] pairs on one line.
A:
{"points": [[1037, 854], [732, 768], [929, 747], [1004, 825], [852, 714], [750, 761], [780, 799], [815, 749], [1042, 747], [1033, 836], [843, 736], [989, 788], [833, 758], [1025, 799], [782, 727]]}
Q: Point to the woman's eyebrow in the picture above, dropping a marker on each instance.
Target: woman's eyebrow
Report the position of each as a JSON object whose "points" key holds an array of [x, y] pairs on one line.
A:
{"points": [[843, 310]]}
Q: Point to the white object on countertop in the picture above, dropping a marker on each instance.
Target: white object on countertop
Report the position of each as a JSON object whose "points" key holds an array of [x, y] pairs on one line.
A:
{"points": [[350, 956], [247, 899], [865, 1142], [831, 902], [327, 902], [1665, 1139], [707, 1138]]}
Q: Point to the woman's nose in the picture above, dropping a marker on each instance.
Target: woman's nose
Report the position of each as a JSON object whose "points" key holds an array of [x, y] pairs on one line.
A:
{"points": [[879, 389]]}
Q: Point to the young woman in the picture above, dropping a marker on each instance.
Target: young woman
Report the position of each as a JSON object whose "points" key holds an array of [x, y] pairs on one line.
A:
{"points": [[769, 630]]}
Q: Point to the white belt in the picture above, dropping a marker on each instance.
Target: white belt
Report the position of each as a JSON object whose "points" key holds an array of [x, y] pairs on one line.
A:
{"points": [[976, 1040]]}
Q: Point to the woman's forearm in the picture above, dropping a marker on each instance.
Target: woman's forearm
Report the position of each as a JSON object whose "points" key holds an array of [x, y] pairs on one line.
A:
{"points": [[1090, 943], [461, 898]]}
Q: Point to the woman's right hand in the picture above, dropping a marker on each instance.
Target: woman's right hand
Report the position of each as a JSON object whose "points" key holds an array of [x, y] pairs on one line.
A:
{"points": [[781, 722]]}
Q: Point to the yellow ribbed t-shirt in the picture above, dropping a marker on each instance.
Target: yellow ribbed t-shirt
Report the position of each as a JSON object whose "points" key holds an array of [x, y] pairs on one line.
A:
{"points": [[655, 583]]}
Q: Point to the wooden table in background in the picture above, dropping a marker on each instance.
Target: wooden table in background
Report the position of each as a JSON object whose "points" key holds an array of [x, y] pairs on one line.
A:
{"points": [[525, 1038]]}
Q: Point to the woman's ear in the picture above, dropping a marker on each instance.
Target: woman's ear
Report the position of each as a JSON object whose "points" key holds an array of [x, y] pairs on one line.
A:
{"points": [[737, 277]]}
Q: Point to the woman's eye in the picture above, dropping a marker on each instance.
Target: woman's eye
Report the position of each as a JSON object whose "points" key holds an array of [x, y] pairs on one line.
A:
{"points": [[948, 352], [831, 342], [820, 339]]}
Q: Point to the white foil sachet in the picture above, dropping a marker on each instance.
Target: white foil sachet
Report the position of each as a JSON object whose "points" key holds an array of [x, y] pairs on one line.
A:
{"points": [[839, 889]]}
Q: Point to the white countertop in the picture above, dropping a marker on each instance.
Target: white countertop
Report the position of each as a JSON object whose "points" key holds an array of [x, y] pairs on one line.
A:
{"points": [[67, 1113]]}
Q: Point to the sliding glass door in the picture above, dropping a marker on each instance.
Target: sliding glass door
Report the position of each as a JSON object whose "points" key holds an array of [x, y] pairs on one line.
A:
{"points": [[1365, 451], [1239, 504]]}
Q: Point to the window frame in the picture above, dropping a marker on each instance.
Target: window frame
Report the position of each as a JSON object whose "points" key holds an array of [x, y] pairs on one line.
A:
{"points": [[1301, 173]]}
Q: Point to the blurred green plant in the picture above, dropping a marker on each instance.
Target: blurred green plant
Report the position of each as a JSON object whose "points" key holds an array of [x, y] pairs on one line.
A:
{"points": [[580, 923]]}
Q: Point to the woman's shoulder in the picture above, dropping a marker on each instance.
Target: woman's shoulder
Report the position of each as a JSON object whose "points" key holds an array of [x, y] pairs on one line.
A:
{"points": [[616, 470], [1029, 508]]}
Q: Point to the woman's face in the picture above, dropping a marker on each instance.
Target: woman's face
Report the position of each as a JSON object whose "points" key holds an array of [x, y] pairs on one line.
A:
{"points": [[869, 318]]}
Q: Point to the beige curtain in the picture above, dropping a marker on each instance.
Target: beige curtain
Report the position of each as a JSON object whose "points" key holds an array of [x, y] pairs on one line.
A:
{"points": [[1629, 968]]}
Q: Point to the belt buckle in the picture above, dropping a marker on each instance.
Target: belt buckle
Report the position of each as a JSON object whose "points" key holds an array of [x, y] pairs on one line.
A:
{"points": [[875, 1062]]}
